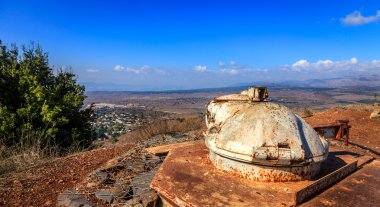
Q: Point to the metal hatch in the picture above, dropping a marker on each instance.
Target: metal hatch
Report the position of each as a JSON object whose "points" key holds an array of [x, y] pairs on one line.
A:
{"points": [[257, 138]]}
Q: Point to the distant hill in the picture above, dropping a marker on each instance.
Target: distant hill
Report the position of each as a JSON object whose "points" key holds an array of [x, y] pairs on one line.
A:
{"points": [[360, 81], [370, 80]]}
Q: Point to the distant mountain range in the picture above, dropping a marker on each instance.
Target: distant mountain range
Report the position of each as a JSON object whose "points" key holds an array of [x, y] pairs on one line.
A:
{"points": [[360, 81], [372, 81]]}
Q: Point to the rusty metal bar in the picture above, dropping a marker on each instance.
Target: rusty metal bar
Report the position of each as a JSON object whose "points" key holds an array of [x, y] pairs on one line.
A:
{"points": [[338, 130], [324, 182]]}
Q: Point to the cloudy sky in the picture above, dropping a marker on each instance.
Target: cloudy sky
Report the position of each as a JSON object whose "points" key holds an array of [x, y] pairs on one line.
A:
{"points": [[161, 45]]}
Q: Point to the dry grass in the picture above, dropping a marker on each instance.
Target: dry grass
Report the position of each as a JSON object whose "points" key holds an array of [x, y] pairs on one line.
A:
{"points": [[307, 113], [304, 112], [358, 106], [193, 125], [17, 159], [14, 160], [26, 156]]}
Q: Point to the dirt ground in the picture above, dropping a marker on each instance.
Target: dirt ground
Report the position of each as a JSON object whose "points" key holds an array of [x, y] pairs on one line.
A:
{"points": [[41, 186], [364, 131]]}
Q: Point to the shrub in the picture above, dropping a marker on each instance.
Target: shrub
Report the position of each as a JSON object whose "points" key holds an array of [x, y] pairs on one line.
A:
{"points": [[40, 109], [307, 113]]}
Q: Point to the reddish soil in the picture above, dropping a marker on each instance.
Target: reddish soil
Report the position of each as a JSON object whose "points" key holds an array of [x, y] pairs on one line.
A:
{"points": [[41, 186], [364, 131]]}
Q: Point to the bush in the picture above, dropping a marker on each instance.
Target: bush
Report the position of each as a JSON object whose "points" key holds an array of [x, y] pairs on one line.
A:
{"points": [[40, 109], [307, 113]]}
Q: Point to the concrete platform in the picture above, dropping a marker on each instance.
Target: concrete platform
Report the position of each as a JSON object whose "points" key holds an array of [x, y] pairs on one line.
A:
{"points": [[361, 188], [188, 178]]}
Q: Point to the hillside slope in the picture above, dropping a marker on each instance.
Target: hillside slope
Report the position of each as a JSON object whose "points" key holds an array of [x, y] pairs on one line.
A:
{"points": [[41, 186]]}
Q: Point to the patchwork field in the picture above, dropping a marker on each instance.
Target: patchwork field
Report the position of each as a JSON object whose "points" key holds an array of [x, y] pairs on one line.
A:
{"points": [[194, 101]]}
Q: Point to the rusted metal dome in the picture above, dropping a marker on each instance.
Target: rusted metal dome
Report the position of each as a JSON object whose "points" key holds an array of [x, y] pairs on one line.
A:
{"points": [[261, 140]]}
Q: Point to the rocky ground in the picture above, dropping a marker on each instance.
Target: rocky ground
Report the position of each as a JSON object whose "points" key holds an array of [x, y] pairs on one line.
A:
{"points": [[40, 186], [125, 180]]}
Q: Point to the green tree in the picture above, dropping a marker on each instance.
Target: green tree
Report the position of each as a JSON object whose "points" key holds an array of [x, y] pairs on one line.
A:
{"points": [[38, 106]]}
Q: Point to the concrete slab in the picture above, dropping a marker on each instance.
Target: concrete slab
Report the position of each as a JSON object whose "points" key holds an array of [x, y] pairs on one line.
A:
{"points": [[164, 149], [188, 178], [361, 188]]}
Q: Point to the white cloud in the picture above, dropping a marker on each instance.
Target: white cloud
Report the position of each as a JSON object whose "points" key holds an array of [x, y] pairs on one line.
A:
{"points": [[324, 63], [118, 68], [145, 67], [356, 18], [300, 64], [161, 72], [354, 60], [200, 68], [131, 70], [234, 63], [91, 70], [376, 63], [327, 65], [229, 71]]}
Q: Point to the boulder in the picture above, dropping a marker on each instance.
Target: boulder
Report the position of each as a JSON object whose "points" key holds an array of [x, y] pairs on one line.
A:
{"points": [[105, 195], [134, 202], [375, 114], [120, 189], [101, 175], [149, 199], [151, 162], [141, 183], [71, 198]]}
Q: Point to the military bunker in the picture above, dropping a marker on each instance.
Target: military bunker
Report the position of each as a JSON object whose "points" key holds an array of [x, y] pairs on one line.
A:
{"points": [[255, 153]]}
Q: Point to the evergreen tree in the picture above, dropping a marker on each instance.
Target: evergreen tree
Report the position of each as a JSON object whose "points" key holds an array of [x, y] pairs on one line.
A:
{"points": [[38, 106]]}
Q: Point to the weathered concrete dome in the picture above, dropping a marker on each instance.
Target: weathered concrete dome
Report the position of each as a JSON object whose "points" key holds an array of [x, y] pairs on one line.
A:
{"points": [[262, 140]]}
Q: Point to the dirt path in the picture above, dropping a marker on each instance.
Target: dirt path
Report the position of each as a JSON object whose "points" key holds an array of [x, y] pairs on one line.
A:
{"points": [[41, 186]]}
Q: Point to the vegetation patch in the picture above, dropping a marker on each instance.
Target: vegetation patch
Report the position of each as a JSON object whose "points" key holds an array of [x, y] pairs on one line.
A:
{"points": [[40, 109]]}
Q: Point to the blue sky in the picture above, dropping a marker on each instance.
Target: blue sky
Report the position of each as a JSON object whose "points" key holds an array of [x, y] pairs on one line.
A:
{"points": [[159, 45]]}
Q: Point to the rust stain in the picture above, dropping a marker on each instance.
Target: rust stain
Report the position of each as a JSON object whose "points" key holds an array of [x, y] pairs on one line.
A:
{"points": [[338, 130], [259, 139], [191, 182]]}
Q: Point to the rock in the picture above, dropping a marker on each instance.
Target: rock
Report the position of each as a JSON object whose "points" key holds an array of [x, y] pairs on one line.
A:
{"points": [[128, 177], [177, 135], [134, 202], [101, 175], [135, 166], [91, 184], [375, 114], [108, 181], [141, 183], [71, 198], [115, 168], [149, 199], [118, 192], [152, 162], [104, 195], [120, 189]]}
